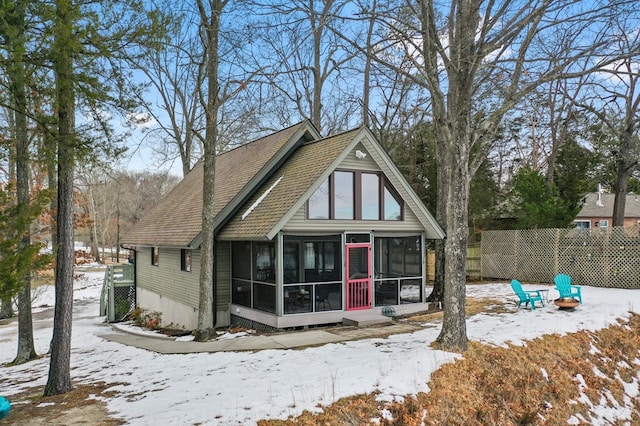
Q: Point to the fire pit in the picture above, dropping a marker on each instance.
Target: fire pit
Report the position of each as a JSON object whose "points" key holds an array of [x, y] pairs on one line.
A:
{"points": [[566, 303]]}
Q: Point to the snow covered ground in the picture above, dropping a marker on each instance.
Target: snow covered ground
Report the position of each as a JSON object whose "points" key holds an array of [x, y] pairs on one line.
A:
{"points": [[241, 387]]}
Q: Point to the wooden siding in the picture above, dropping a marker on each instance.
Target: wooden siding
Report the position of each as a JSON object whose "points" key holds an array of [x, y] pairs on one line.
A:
{"points": [[410, 223], [167, 279], [223, 274]]}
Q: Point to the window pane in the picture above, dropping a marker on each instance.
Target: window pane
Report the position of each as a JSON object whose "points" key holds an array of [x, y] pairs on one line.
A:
{"points": [[264, 297], [241, 293], [155, 256], [398, 257], [241, 259], [410, 291], [412, 256], [265, 255], [291, 263], [392, 207], [319, 202], [370, 196], [322, 261], [185, 260], [343, 197]]}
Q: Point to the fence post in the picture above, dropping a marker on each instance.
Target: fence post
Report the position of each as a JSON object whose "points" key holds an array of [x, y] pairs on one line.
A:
{"points": [[515, 254], [556, 254]]}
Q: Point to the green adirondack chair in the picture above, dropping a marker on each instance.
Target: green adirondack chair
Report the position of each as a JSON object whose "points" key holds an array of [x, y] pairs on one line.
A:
{"points": [[526, 296], [566, 289]]}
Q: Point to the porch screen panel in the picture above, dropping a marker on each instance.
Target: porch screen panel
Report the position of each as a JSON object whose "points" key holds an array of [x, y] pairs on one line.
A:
{"points": [[312, 273], [398, 270], [241, 273]]}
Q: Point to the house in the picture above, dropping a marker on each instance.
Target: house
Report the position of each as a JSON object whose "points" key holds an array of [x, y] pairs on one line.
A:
{"points": [[597, 211], [307, 229]]}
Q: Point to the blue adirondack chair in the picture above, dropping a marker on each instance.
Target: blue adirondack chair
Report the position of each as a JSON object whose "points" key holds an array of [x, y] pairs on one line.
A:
{"points": [[526, 296], [566, 289], [5, 406]]}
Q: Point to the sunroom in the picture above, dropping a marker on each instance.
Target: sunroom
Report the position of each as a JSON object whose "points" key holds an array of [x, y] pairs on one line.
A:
{"points": [[300, 280]]}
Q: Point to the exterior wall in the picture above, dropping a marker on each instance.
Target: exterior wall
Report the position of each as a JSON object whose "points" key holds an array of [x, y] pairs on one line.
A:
{"points": [[174, 293], [595, 221], [174, 312], [160, 287]]}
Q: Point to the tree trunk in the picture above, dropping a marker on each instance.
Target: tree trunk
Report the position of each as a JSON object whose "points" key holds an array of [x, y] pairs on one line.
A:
{"points": [[6, 308], [453, 335], [437, 294], [622, 177], [17, 78], [206, 320], [59, 380]]}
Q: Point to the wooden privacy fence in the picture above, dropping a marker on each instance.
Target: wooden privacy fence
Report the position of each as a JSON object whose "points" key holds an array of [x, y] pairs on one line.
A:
{"points": [[473, 268], [601, 257]]}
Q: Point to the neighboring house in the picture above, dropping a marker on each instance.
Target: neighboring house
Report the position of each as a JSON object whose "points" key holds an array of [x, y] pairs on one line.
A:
{"points": [[597, 211], [306, 229]]}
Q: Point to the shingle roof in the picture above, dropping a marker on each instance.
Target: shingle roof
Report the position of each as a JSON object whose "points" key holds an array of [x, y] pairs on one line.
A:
{"points": [[285, 187], [591, 209], [177, 220]]}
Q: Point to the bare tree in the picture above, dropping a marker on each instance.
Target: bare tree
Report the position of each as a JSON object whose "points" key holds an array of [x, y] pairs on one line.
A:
{"points": [[476, 60], [308, 62], [210, 16], [176, 73], [615, 101]]}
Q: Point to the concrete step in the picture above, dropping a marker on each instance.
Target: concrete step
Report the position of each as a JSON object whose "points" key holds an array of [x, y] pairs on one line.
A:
{"points": [[365, 318]]}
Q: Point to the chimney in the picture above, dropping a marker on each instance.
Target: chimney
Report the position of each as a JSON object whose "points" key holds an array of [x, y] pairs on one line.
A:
{"points": [[599, 196]]}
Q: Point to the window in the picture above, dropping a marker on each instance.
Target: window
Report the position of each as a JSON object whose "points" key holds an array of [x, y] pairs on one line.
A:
{"points": [[604, 223], [265, 262], [582, 224], [392, 205], [185, 260], [370, 195], [155, 256], [343, 195], [319, 202], [355, 195]]}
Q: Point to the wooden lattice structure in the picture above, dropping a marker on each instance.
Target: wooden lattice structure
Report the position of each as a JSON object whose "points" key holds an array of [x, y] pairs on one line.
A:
{"points": [[603, 257]]}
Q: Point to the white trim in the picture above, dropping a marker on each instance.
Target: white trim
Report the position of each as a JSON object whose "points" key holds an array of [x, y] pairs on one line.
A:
{"points": [[259, 200]]}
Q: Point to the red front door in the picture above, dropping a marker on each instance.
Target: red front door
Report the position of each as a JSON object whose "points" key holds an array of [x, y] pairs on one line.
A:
{"points": [[358, 276]]}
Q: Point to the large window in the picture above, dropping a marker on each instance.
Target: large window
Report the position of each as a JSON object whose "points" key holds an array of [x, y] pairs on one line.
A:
{"points": [[355, 195]]}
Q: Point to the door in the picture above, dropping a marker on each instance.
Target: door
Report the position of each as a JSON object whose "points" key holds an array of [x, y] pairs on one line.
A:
{"points": [[358, 276]]}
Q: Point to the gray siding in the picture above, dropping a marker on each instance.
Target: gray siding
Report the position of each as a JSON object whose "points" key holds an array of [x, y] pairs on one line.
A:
{"points": [[353, 162], [223, 274], [410, 223], [167, 279]]}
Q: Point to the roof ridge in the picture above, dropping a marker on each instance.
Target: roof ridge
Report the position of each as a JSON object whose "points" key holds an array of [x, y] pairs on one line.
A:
{"points": [[268, 135], [354, 130]]}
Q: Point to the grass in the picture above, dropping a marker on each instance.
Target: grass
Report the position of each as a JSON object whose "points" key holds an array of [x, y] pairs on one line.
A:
{"points": [[548, 381]]}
